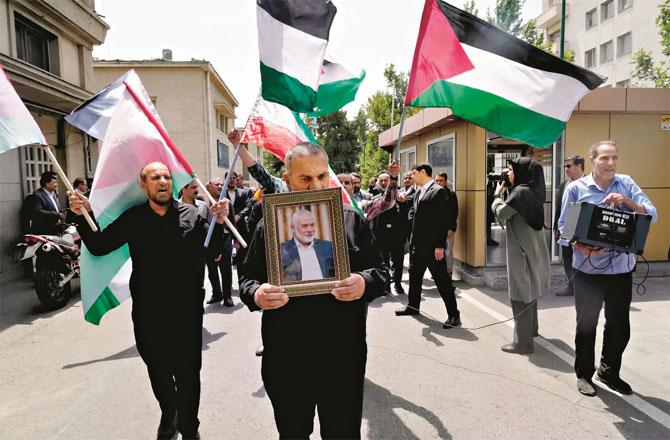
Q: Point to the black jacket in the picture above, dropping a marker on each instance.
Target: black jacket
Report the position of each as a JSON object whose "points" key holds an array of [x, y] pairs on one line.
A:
{"points": [[167, 253], [38, 213], [319, 322], [431, 217]]}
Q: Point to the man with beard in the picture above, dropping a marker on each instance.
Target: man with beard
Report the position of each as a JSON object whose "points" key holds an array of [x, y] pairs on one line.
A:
{"points": [[315, 348], [165, 238], [305, 257], [222, 287]]}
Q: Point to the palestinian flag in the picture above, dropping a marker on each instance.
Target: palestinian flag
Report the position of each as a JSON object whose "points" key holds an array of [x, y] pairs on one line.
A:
{"points": [[491, 78], [17, 125], [277, 129], [132, 137], [292, 39], [337, 88]]}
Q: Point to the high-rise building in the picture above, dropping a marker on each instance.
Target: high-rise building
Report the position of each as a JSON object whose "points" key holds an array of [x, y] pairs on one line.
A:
{"points": [[604, 34]]}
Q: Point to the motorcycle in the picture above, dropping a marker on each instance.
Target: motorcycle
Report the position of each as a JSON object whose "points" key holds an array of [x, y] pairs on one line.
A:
{"points": [[55, 262]]}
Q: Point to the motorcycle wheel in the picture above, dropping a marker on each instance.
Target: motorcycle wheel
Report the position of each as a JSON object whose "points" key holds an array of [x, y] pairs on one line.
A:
{"points": [[50, 294]]}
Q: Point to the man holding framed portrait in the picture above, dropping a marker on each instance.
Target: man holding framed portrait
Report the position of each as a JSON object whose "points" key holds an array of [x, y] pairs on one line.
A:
{"points": [[314, 342]]}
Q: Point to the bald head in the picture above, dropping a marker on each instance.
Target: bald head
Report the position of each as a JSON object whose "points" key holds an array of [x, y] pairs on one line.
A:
{"points": [[156, 182]]}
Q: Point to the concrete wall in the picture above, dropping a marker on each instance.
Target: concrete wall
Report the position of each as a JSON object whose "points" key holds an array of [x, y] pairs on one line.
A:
{"points": [[179, 95]]}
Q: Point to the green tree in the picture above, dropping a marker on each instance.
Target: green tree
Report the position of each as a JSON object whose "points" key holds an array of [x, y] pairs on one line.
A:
{"points": [[339, 138], [507, 16], [383, 110], [645, 68]]}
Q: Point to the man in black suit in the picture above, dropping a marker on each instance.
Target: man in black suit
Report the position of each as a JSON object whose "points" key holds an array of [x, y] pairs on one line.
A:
{"points": [[430, 216], [305, 257], [41, 210], [222, 287], [315, 349]]}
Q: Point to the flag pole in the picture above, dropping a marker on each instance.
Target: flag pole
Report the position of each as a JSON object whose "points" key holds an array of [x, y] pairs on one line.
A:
{"points": [[68, 185], [228, 177], [402, 125]]}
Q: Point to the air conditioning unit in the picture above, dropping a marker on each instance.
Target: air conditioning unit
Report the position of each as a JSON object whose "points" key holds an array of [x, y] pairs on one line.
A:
{"points": [[167, 54]]}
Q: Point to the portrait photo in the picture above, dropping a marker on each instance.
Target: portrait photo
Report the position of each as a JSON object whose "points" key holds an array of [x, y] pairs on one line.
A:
{"points": [[306, 247]]}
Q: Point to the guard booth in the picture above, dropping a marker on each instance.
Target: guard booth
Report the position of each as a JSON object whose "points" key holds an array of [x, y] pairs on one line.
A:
{"points": [[637, 118]]}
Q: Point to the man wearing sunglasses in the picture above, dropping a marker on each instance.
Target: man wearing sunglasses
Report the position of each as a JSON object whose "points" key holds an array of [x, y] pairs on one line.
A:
{"points": [[574, 169]]}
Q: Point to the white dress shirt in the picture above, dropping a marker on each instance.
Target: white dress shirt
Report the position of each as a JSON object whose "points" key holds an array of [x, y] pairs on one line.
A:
{"points": [[309, 262]]}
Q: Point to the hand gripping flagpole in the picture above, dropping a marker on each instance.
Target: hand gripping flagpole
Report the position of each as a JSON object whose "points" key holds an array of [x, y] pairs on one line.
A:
{"points": [[68, 185], [227, 182], [170, 144]]}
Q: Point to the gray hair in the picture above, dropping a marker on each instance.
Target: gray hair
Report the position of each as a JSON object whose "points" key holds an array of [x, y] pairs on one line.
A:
{"points": [[593, 151], [298, 214], [303, 149]]}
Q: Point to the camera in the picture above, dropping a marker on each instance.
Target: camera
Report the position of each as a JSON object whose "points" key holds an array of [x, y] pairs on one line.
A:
{"points": [[494, 177]]}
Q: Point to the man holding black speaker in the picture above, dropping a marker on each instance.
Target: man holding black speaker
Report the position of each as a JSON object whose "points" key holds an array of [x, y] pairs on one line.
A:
{"points": [[602, 275]]}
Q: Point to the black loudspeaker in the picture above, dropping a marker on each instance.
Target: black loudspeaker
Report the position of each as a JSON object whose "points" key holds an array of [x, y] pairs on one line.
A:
{"points": [[609, 228]]}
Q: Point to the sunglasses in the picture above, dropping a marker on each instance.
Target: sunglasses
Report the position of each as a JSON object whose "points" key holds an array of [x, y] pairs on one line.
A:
{"points": [[567, 166]]}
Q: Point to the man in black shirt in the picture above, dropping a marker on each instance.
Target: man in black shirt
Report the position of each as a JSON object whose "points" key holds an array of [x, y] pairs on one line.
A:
{"points": [[315, 349], [166, 239]]}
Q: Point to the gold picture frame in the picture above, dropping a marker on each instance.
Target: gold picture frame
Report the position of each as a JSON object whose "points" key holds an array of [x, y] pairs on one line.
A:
{"points": [[305, 228]]}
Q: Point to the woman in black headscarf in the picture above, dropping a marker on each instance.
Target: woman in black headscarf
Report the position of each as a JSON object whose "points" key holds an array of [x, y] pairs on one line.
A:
{"points": [[528, 269]]}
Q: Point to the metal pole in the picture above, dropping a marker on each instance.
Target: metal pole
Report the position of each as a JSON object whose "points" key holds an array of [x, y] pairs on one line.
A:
{"points": [[402, 125], [561, 52]]}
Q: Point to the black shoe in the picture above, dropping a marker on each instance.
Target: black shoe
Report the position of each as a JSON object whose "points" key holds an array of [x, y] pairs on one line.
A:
{"points": [[406, 311], [399, 289], [586, 387], [259, 350], [491, 242], [228, 302], [215, 299], [191, 436], [453, 321], [615, 383], [167, 429], [513, 348]]}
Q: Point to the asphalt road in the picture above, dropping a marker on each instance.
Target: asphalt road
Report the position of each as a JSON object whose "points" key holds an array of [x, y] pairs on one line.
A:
{"points": [[63, 378]]}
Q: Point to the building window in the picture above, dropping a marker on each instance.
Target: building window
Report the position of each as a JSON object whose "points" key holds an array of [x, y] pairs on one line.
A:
{"points": [[625, 4], [623, 84], [35, 45], [222, 154], [221, 122], [442, 156], [591, 18], [34, 162], [407, 159], [624, 44], [590, 58], [606, 10], [606, 52]]}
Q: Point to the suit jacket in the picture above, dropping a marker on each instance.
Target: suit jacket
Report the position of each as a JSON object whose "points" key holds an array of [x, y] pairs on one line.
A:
{"points": [[291, 264], [431, 218], [39, 212], [240, 203]]}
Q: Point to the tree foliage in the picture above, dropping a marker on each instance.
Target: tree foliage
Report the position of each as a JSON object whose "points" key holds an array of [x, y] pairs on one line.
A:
{"points": [[470, 7], [383, 110], [339, 137], [507, 16], [645, 68]]}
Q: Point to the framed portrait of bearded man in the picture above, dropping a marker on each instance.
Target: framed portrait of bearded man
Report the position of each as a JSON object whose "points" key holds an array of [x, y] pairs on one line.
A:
{"points": [[305, 242]]}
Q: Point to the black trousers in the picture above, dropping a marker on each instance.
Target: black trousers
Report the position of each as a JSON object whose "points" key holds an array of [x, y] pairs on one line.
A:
{"points": [[566, 253], [394, 257], [418, 263], [222, 287], [590, 293], [297, 383], [173, 356]]}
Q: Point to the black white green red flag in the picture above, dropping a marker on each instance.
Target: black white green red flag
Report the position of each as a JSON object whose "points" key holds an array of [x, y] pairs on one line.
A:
{"points": [[292, 40], [491, 78]]}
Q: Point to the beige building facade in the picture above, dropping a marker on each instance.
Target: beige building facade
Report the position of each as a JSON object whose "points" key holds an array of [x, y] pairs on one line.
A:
{"points": [[604, 34], [194, 103], [638, 119], [45, 49]]}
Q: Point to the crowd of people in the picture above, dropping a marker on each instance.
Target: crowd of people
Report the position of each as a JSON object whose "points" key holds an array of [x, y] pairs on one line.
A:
{"points": [[324, 368]]}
